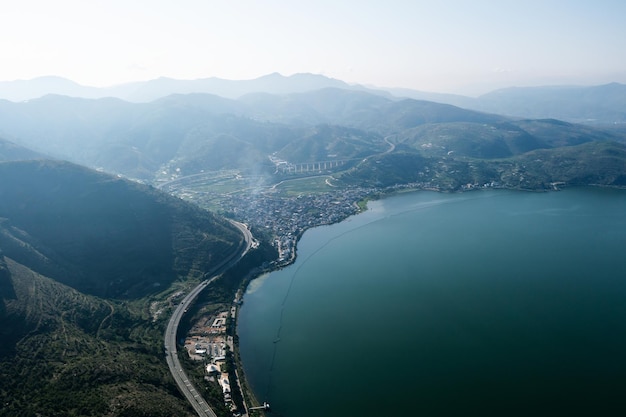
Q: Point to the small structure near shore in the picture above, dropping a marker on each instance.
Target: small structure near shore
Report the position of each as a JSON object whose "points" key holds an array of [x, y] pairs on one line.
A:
{"points": [[265, 406]]}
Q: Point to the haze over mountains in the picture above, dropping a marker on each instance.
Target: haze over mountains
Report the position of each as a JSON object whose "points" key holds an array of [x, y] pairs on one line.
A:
{"points": [[104, 235], [186, 134], [580, 104], [146, 91]]}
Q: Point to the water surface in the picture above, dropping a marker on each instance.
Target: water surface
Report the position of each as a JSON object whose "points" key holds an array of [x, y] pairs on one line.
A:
{"points": [[484, 303]]}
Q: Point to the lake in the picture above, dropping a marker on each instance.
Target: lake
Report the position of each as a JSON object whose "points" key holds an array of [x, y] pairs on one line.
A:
{"points": [[482, 303]]}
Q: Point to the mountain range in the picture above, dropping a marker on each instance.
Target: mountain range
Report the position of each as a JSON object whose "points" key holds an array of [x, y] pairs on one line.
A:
{"points": [[187, 134], [602, 104], [146, 91]]}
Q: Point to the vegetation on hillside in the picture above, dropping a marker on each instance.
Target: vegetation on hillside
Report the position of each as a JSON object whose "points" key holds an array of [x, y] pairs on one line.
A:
{"points": [[65, 353], [592, 163], [104, 235], [88, 265], [185, 135]]}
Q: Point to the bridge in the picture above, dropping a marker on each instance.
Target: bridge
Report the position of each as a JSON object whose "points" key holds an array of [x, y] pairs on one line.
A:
{"points": [[302, 167]]}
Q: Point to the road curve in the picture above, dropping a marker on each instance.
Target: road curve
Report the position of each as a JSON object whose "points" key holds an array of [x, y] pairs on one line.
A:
{"points": [[184, 384], [247, 235]]}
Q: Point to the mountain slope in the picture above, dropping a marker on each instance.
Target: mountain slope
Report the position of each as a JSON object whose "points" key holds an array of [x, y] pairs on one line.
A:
{"points": [[83, 257], [356, 109], [103, 235], [64, 353], [600, 163], [602, 104], [498, 140], [10, 151]]}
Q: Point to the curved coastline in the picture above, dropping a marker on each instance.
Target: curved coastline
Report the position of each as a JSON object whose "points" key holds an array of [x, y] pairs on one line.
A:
{"points": [[294, 259], [362, 206], [250, 396]]}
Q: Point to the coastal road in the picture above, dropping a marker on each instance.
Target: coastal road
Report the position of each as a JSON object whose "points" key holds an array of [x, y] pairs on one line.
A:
{"points": [[247, 235], [171, 351], [184, 385]]}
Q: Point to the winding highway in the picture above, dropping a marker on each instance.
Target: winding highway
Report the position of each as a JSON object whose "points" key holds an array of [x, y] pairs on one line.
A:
{"points": [[184, 384]]}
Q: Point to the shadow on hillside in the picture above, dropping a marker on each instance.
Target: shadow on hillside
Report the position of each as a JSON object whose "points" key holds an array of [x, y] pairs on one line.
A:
{"points": [[7, 324]]}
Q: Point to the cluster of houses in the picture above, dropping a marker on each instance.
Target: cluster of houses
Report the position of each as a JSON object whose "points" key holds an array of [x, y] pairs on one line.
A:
{"points": [[288, 217]]}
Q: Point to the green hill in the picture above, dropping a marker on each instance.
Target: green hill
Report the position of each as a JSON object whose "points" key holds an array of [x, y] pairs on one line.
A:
{"points": [[83, 256], [593, 163], [327, 142], [64, 353], [104, 235], [498, 140]]}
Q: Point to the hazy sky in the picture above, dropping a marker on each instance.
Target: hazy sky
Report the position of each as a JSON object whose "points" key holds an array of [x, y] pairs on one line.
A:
{"points": [[437, 45]]}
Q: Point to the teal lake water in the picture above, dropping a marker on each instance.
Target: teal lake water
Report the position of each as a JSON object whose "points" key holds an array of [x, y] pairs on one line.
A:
{"points": [[484, 303]]}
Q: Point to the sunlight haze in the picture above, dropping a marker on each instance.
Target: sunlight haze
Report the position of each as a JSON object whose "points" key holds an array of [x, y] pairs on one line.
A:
{"points": [[449, 46]]}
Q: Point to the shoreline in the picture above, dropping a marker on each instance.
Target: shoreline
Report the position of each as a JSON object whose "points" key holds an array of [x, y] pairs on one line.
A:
{"points": [[249, 396], [362, 206], [281, 391]]}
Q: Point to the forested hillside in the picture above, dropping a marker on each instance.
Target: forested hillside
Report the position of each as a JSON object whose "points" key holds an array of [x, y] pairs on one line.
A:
{"points": [[88, 262]]}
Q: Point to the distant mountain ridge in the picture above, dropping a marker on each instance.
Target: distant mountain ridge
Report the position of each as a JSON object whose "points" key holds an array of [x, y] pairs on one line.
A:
{"points": [[147, 91], [596, 105], [139, 139], [187, 134], [601, 104], [21, 90]]}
